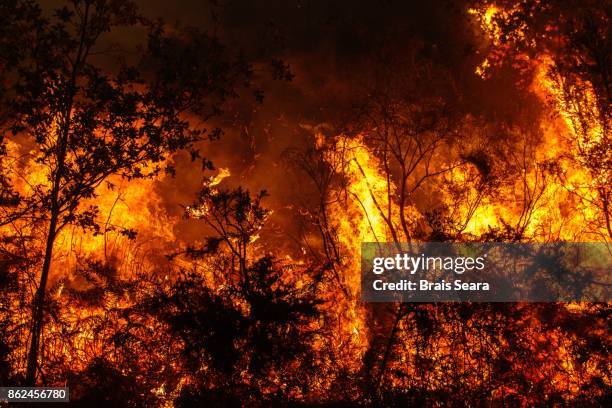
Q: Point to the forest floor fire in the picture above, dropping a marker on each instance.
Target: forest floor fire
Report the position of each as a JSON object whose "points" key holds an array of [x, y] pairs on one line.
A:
{"points": [[183, 205]]}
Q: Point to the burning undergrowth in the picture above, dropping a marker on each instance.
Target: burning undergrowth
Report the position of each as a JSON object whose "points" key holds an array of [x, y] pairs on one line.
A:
{"points": [[173, 280]]}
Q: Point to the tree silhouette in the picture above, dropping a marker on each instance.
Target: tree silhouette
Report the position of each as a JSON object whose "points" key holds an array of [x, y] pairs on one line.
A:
{"points": [[235, 217], [575, 38], [239, 317], [248, 337], [88, 123]]}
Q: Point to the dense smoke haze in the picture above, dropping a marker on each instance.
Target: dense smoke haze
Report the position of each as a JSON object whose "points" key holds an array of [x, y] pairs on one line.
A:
{"points": [[337, 53]]}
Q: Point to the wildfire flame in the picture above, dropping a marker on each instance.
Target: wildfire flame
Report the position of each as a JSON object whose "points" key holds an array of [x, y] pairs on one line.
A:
{"points": [[548, 196]]}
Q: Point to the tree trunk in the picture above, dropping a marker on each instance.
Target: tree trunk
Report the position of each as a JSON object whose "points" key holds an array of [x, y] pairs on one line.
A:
{"points": [[39, 298], [399, 315], [39, 303]]}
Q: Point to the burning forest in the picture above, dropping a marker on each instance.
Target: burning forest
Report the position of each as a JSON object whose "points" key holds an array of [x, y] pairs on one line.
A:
{"points": [[183, 200]]}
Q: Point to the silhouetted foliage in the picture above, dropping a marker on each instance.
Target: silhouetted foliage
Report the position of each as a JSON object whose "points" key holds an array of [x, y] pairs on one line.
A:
{"points": [[228, 318], [245, 340], [103, 384], [88, 124]]}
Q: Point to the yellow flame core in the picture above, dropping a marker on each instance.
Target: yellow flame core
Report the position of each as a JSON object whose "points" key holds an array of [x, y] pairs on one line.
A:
{"points": [[358, 212], [123, 205], [565, 209], [133, 205], [356, 215], [221, 175]]}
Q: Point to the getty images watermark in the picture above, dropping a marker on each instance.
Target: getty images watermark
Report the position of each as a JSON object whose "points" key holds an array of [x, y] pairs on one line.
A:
{"points": [[485, 272]]}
